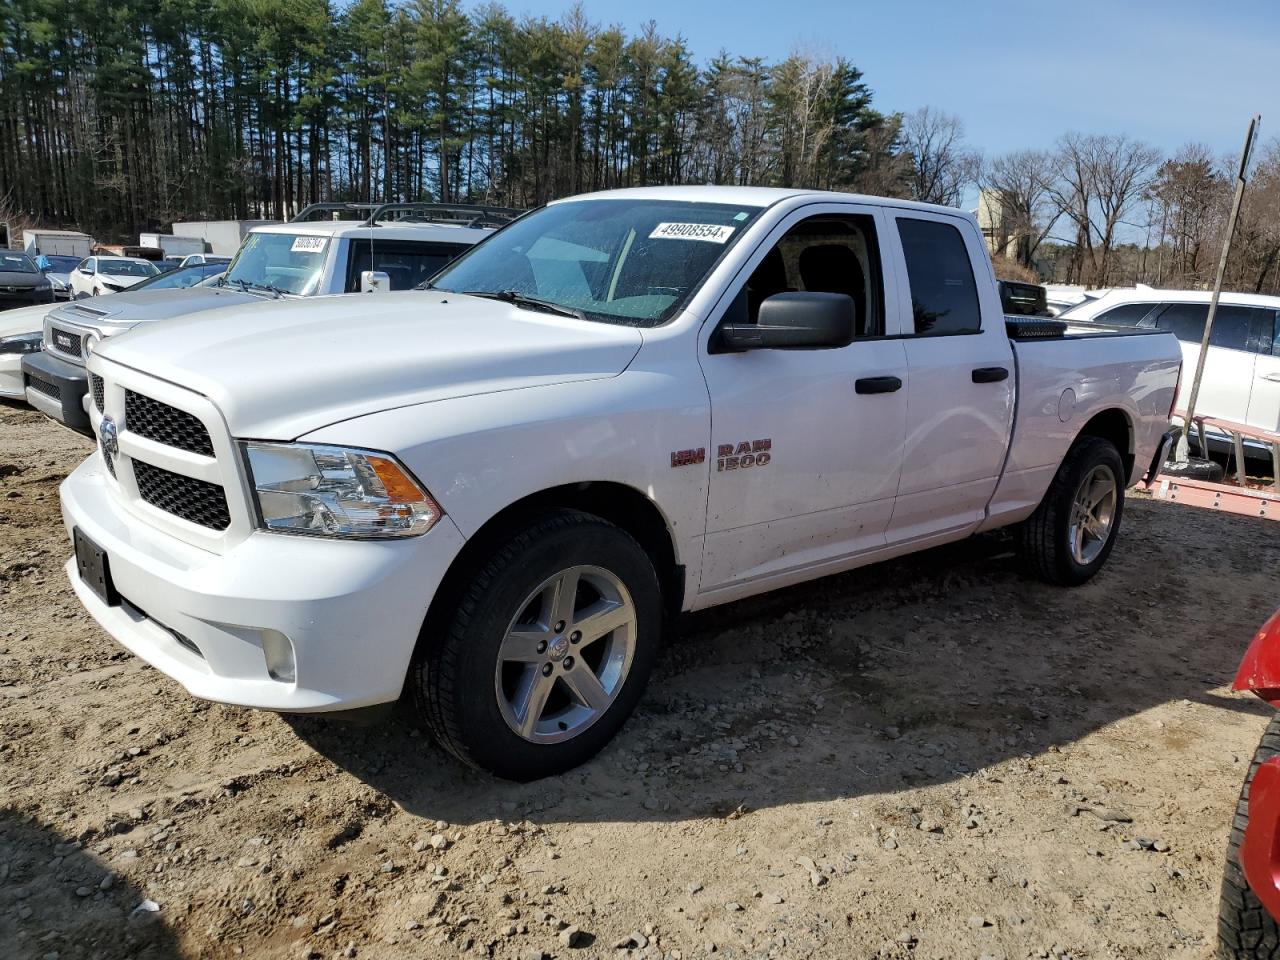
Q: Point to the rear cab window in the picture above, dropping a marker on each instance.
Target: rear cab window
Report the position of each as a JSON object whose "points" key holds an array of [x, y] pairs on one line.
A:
{"points": [[944, 294]]}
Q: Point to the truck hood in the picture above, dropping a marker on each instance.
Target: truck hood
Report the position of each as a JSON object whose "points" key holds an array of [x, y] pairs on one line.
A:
{"points": [[280, 369], [140, 306]]}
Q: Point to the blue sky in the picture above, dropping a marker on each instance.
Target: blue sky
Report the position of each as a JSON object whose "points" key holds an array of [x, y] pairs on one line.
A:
{"points": [[1017, 73]]}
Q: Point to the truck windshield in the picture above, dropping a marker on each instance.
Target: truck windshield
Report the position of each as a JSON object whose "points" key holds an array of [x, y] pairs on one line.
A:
{"points": [[290, 263], [633, 262]]}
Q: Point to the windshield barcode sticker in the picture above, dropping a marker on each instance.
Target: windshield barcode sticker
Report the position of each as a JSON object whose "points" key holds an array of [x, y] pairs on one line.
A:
{"points": [[307, 244], [711, 232]]}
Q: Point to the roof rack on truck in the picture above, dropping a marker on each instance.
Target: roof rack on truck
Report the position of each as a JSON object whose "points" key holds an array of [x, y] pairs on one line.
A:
{"points": [[462, 214]]}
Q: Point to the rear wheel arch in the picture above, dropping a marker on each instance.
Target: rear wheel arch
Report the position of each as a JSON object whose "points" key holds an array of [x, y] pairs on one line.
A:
{"points": [[1114, 426]]}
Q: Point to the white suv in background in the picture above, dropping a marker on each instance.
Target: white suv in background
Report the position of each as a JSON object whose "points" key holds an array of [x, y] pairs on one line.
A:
{"points": [[1242, 372]]}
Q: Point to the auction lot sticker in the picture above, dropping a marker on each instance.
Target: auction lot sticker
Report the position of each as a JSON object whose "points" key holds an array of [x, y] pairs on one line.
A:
{"points": [[711, 232], [307, 244]]}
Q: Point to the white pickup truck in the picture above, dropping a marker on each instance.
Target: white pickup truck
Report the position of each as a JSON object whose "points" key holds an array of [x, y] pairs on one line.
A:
{"points": [[494, 493]]}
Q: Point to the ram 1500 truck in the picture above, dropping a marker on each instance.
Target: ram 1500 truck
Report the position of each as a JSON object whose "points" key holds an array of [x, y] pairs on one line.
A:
{"points": [[495, 492], [314, 254]]}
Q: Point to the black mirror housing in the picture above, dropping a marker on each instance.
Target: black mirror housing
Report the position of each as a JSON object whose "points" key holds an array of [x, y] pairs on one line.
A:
{"points": [[796, 321]]}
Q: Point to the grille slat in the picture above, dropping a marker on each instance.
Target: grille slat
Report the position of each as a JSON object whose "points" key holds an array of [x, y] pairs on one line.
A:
{"points": [[193, 500], [66, 341], [165, 424], [41, 385], [99, 391]]}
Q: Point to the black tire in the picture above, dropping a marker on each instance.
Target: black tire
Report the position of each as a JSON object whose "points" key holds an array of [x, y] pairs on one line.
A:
{"points": [[1193, 469], [453, 675], [1245, 930], [1044, 539]]}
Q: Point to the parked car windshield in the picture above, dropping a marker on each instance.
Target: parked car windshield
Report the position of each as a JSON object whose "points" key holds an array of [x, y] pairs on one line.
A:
{"points": [[56, 264], [622, 261], [126, 268], [16, 263], [180, 278], [287, 262]]}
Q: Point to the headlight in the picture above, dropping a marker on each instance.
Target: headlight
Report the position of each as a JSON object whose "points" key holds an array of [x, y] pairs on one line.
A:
{"points": [[337, 492], [90, 341], [22, 343]]}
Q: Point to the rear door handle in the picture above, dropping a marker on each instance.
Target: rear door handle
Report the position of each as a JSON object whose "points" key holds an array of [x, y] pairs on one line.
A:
{"points": [[1273, 377], [990, 374], [877, 385]]}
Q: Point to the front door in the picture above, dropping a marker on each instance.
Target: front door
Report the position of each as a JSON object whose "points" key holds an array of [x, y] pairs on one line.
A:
{"points": [[806, 445]]}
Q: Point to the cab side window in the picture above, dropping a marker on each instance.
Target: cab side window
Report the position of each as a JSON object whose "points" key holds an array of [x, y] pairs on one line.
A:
{"points": [[944, 294], [408, 263], [829, 253]]}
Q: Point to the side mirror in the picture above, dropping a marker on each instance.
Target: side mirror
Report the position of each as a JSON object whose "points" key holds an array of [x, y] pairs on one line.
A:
{"points": [[812, 321], [374, 281]]}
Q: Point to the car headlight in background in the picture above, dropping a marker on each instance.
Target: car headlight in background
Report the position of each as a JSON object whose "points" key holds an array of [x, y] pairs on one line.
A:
{"points": [[90, 341], [22, 343], [337, 492]]}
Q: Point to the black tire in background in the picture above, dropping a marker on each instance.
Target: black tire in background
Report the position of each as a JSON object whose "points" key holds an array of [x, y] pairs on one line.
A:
{"points": [[1044, 539], [1193, 469], [1245, 930], [453, 680]]}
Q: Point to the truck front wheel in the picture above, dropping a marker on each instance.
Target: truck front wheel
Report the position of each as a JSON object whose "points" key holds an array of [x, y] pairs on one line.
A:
{"points": [[1069, 537], [546, 651]]}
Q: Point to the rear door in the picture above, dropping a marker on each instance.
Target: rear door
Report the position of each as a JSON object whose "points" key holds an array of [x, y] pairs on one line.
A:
{"points": [[1264, 400], [960, 406], [1228, 369]]}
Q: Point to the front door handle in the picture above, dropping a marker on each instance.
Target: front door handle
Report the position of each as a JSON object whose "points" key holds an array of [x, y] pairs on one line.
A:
{"points": [[1273, 377], [990, 374], [877, 385]]}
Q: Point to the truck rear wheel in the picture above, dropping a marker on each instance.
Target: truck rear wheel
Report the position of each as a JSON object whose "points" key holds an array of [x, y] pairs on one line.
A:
{"points": [[1246, 931], [1069, 537], [547, 650]]}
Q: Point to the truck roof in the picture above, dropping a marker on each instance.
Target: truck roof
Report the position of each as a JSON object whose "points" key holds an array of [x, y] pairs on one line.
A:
{"points": [[754, 197], [392, 230]]}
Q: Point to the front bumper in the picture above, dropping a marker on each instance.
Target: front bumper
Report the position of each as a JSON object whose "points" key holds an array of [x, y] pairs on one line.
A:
{"points": [[57, 389], [351, 610], [11, 384], [25, 297]]}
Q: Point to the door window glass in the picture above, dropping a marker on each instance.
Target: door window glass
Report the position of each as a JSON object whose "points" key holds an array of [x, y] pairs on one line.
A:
{"points": [[822, 254], [1125, 315], [1186, 322], [944, 295], [407, 262]]}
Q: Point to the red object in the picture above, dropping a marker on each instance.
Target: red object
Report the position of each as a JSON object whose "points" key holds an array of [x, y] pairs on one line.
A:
{"points": [[1260, 851], [1260, 669]]}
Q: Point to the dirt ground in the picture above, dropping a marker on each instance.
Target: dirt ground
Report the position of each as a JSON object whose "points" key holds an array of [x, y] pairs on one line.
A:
{"points": [[933, 758]]}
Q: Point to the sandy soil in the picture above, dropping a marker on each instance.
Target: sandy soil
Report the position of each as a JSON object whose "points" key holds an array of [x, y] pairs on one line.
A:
{"points": [[933, 758]]}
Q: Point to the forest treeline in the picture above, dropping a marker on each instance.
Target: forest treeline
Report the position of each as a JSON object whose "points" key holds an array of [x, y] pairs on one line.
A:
{"points": [[127, 115], [135, 112]]}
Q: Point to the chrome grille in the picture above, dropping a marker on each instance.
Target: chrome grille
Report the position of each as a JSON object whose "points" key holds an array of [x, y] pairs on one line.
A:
{"points": [[40, 385], [99, 390], [165, 424], [66, 341], [186, 497]]}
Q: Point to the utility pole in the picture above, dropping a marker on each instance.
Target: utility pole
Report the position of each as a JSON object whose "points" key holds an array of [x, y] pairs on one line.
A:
{"points": [[1241, 174]]}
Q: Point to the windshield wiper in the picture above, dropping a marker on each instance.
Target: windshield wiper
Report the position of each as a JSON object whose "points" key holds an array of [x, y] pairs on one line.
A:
{"points": [[516, 298], [247, 285]]}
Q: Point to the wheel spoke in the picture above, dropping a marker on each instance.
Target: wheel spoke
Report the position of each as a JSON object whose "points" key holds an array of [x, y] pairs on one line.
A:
{"points": [[563, 597], [531, 699], [587, 689], [601, 618], [521, 644]]}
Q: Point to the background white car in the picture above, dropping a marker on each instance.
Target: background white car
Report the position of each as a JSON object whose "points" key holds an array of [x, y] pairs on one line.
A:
{"points": [[98, 275], [1242, 371]]}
